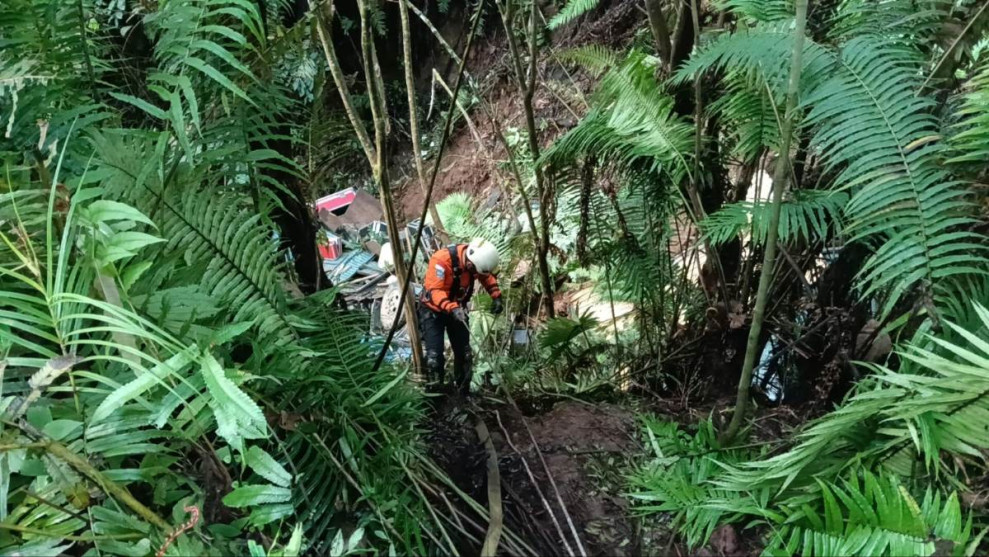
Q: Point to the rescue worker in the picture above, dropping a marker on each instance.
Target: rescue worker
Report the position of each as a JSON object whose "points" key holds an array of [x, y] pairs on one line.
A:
{"points": [[447, 289]]}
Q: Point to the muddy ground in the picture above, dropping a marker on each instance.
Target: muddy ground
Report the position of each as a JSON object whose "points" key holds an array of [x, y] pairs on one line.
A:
{"points": [[584, 447], [588, 449]]}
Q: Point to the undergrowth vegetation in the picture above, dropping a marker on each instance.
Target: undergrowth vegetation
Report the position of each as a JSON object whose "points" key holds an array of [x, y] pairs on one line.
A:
{"points": [[179, 376]]}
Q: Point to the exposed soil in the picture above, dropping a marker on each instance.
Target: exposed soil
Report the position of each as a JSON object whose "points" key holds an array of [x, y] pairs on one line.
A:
{"points": [[588, 449], [474, 156], [584, 448]]}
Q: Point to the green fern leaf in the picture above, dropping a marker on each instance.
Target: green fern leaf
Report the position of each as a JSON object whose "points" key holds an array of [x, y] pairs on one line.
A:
{"points": [[596, 58], [571, 11], [758, 11], [238, 417], [807, 215], [891, 20], [970, 141], [750, 115], [868, 122], [250, 495], [267, 467], [137, 387], [632, 121]]}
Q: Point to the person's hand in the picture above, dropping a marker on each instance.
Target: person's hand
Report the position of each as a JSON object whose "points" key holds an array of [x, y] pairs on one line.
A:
{"points": [[497, 306], [459, 315]]}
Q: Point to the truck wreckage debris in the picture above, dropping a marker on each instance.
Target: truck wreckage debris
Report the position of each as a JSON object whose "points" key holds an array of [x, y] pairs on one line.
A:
{"points": [[356, 254]]}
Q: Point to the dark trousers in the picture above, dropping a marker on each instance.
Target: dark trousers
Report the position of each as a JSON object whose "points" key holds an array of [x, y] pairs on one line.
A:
{"points": [[433, 325]]}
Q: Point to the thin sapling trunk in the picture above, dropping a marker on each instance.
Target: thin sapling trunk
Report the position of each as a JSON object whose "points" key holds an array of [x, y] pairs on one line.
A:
{"points": [[780, 175], [410, 90]]}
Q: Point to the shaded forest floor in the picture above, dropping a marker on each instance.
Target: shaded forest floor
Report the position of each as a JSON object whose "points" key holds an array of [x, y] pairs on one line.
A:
{"points": [[588, 449]]}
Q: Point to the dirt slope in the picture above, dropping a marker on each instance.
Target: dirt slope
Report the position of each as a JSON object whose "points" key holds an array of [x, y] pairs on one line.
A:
{"points": [[474, 161]]}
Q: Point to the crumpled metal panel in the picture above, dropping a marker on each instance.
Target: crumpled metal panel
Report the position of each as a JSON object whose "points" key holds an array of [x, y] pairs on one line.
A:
{"points": [[346, 266]]}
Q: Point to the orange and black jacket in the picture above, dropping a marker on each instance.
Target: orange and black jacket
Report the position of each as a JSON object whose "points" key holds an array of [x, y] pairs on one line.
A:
{"points": [[449, 285]]}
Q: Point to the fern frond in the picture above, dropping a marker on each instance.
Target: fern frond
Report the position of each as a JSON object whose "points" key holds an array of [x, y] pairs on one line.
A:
{"points": [[561, 332], [872, 516], [594, 57], [681, 480], [909, 23], [750, 115], [52, 70], [243, 269], [230, 250], [571, 11], [760, 52], [937, 404], [464, 223], [632, 121], [970, 141], [807, 215], [374, 439], [869, 124], [758, 11]]}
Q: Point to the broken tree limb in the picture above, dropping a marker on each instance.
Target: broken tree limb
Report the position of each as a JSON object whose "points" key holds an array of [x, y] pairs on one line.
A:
{"points": [[493, 535], [84, 467], [463, 111], [660, 32]]}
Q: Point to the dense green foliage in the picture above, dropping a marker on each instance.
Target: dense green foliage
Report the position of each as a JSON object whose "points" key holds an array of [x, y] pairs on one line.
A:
{"points": [[146, 326], [156, 357]]}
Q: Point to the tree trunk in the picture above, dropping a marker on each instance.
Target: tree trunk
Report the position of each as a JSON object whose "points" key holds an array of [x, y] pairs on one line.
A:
{"points": [[379, 167], [545, 192], [376, 156], [528, 89], [780, 175], [410, 90], [660, 32], [586, 183]]}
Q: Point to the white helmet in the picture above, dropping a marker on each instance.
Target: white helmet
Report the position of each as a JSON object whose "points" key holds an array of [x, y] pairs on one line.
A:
{"points": [[483, 254], [386, 259]]}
